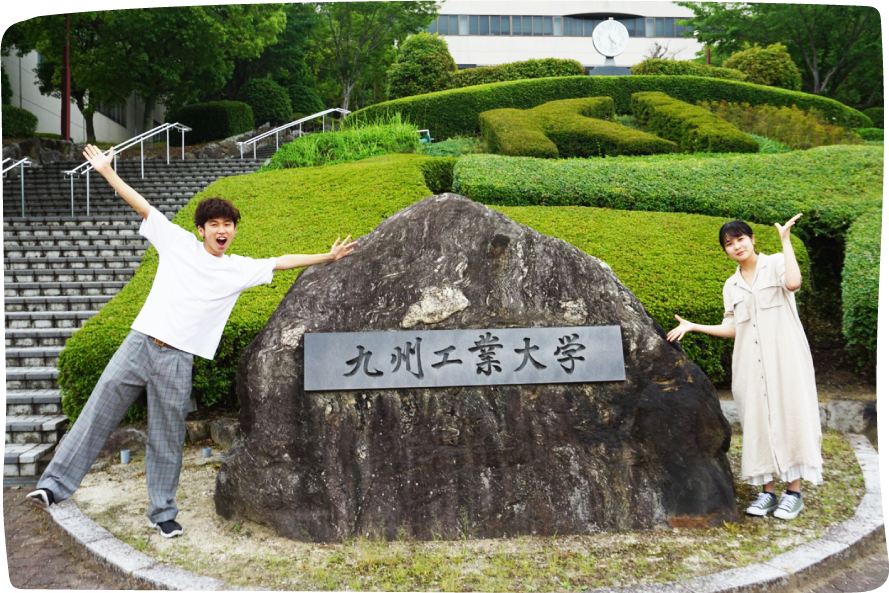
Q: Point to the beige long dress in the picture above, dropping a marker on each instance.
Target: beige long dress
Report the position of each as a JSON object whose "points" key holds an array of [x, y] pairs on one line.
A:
{"points": [[773, 378]]}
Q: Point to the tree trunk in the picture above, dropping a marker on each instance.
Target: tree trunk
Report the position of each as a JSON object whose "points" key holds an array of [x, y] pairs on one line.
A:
{"points": [[148, 116], [348, 86], [87, 117]]}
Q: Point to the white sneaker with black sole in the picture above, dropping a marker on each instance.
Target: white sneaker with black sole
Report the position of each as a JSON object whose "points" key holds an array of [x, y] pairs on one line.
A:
{"points": [[167, 528], [41, 498]]}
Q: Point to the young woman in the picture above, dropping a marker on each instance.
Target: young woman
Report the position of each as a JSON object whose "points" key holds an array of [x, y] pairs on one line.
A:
{"points": [[773, 378]]}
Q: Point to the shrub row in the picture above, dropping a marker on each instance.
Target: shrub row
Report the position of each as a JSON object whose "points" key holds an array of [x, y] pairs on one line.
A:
{"points": [[528, 69], [657, 66], [566, 128], [455, 112], [18, 122], [213, 120], [876, 116], [831, 185], [861, 287], [791, 126], [693, 128], [303, 210]]}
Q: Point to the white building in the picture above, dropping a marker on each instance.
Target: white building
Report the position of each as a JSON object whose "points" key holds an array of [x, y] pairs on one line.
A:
{"points": [[483, 33], [114, 124]]}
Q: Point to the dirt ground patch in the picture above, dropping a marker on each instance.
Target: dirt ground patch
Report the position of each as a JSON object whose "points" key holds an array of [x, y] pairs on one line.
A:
{"points": [[251, 555]]}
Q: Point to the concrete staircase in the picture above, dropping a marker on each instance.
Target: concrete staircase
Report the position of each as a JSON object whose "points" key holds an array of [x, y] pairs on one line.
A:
{"points": [[60, 269]]}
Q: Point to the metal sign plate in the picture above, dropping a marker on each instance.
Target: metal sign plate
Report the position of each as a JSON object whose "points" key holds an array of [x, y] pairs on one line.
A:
{"points": [[449, 358]]}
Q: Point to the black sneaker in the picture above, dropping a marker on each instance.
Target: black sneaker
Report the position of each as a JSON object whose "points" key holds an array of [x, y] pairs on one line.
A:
{"points": [[41, 498], [168, 528]]}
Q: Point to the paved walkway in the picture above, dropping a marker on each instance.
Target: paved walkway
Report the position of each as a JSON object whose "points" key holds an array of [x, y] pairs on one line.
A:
{"points": [[37, 558]]}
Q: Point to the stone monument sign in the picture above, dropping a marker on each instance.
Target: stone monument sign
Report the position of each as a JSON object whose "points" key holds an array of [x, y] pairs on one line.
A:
{"points": [[323, 460]]}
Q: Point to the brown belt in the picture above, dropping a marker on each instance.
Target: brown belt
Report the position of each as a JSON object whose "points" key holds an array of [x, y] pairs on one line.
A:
{"points": [[164, 344]]}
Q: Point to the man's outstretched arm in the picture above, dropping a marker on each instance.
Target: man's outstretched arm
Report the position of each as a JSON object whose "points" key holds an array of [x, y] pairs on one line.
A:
{"points": [[102, 164], [339, 250]]}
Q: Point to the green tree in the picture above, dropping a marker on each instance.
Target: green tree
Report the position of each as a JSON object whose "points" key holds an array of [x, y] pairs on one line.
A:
{"points": [[770, 65], [97, 67], [180, 54], [288, 61], [832, 44], [355, 35], [424, 65]]}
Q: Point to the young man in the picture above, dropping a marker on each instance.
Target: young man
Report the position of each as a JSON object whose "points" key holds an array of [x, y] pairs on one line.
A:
{"points": [[193, 293]]}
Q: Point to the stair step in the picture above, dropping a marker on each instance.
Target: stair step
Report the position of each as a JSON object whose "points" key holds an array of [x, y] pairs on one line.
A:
{"points": [[35, 429], [60, 263], [32, 289], [26, 460], [40, 252], [47, 319], [32, 402], [37, 338], [59, 276], [38, 356], [56, 303], [79, 240]]}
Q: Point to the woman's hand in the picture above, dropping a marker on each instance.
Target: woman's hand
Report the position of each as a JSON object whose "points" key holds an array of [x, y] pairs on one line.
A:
{"points": [[679, 331], [784, 231]]}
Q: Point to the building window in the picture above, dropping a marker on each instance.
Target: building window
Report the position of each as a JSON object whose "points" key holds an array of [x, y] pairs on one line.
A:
{"points": [[649, 27], [504, 25], [538, 25], [464, 25], [547, 25], [483, 25], [473, 25]]}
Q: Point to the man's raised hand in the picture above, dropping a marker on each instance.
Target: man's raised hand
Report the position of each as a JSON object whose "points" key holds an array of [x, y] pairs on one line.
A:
{"points": [[100, 161]]}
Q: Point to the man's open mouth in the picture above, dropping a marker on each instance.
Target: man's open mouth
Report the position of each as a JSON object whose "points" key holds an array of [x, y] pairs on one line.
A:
{"points": [[220, 241]]}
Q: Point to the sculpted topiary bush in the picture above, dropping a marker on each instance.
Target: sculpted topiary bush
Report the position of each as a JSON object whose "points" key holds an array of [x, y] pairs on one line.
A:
{"points": [[424, 65], [861, 288], [304, 100], [568, 128], [542, 68], [876, 116], [693, 128], [661, 67], [18, 123], [770, 65]]}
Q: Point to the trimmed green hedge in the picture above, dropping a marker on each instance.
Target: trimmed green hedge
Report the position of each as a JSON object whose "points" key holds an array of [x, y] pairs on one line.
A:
{"points": [[876, 116], [303, 210], [527, 69], [17, 122], [861, 288], [269, 100], [693, 128], [870, 133], [566, 128], [213, 120], [438, 174], [830, 185], [455, 112], [657, 66]]}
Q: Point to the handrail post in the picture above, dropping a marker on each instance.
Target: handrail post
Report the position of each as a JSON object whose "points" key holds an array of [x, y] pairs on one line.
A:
{"points": [[71, 177], [142, 156], [323, 121], [168, 145], [87, 193], [254, 150], [183, 144], [22, 175], [115, 170], [241, 150], [276, 141]]}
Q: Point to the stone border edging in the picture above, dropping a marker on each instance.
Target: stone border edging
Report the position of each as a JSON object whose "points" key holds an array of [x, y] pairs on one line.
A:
{"points": [[837, 546]]}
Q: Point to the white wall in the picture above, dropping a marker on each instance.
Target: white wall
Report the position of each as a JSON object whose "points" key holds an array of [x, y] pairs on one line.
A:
{"points": [[483, 50], [26, 94]]}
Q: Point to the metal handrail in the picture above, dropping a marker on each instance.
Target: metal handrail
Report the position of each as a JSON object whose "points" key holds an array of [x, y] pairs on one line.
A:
{"points": [[140, 139], [279, 129], [25, 162]]}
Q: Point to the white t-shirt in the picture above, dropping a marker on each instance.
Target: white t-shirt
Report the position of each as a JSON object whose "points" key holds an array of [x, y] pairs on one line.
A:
{"points": [[193, 292]]}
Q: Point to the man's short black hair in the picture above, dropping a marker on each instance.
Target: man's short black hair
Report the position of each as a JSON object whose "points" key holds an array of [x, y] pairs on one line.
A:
{"points": [[734, 229], [215, 208]]}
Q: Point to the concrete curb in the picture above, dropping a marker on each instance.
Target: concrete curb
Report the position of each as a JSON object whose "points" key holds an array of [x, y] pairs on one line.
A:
{"points": [[788, 571]]}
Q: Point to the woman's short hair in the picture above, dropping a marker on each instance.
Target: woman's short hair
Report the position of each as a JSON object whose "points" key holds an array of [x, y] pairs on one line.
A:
{"points": [[734, 229], [215, 208]]}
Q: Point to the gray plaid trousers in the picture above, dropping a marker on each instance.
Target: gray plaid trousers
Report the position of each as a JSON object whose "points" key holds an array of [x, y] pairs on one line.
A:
{"points": [[139, 364]]}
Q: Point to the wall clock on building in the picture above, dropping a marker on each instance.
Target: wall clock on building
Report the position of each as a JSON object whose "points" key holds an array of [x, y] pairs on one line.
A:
{"points": [[610, 38]]}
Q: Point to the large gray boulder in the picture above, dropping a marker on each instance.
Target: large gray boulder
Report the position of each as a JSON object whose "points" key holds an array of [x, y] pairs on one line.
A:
{"points": [[645, 453]]}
